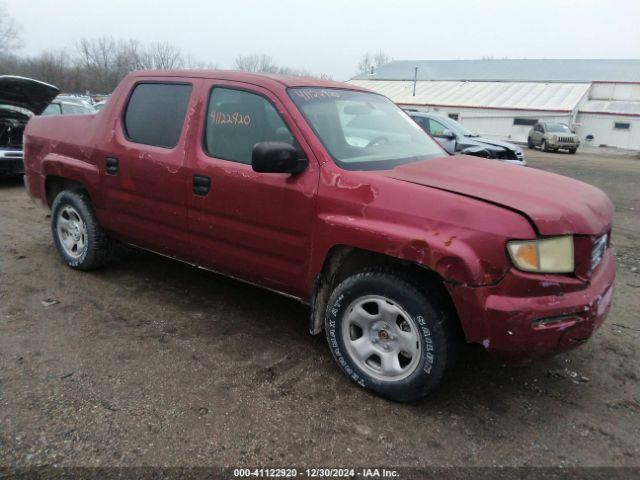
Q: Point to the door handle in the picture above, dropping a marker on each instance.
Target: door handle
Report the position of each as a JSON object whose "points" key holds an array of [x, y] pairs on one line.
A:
{"points": [[201, 185], [111, 165]]}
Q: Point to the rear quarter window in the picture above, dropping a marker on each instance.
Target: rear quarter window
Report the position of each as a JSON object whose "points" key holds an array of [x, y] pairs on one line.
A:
{"points": [[155, 113]]}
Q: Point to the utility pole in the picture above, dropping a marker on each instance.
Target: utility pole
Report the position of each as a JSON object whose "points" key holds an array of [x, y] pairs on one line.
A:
{"points": [[415, 80]]}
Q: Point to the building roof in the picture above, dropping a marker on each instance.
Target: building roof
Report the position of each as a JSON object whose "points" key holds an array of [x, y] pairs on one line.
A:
{"points": [[572, 71], [560, 97], [612, 107]]}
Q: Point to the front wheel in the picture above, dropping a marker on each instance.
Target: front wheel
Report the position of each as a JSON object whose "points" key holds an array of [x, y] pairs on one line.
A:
{"points": [[543, 146], [529, 142], [572, 151], [78, 237], [389, 337]]}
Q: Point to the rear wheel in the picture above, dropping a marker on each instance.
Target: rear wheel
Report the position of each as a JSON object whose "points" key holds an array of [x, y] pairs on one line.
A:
{"points": [[77, 235], [388, 336]]}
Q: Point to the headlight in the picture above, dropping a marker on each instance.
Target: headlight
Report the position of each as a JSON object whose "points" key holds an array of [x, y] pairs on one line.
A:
{"points": [[547, 255]]}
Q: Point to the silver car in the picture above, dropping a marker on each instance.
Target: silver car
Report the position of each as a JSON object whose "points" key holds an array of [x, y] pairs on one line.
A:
{"points": [[455, 138], [553, 136]]}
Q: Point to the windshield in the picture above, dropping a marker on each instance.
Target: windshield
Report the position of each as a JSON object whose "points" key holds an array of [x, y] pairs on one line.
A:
{"points": [[459, 129], [363, 131], [558, 127]]}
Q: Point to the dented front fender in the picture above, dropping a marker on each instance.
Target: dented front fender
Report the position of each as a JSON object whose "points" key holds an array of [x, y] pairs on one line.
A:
{"points": [[460, 238]]}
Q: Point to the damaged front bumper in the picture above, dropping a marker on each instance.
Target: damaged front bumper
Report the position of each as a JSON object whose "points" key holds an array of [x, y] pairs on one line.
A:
{"points": [[527, 316]]}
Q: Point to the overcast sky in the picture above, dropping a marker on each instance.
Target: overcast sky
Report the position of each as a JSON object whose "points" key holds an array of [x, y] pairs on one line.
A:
{"points": [[329, 36]]}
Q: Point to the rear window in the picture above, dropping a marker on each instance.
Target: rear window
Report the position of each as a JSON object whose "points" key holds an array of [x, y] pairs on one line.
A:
{"points": [[155, 113], [53, 109], [73, 109]]}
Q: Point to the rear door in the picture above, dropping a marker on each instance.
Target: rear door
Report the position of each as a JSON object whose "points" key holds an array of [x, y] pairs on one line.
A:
{"points": [[143, 166], [255, 226], [537, 134]]}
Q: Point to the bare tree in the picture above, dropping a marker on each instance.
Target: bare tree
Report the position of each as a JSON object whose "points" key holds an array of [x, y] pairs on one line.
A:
{"points": [[97, 64], [262, 63], [380, 59], [364, 66], [99, 61], [296, 72], [9, 32], [369, 61], [165, 56], [191, 63], [256, 63]]}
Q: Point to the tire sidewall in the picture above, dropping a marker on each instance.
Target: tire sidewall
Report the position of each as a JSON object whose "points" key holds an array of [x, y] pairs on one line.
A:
{"points": [[432, 365], [78, 202]]}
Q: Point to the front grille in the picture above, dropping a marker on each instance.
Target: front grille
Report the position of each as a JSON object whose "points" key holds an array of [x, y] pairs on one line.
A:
{"points": [[566, 140], [505, 155], [598, 249]]}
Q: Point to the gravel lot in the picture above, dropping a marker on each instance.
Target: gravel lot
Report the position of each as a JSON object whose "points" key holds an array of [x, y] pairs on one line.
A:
{"points": [[151, 362]]}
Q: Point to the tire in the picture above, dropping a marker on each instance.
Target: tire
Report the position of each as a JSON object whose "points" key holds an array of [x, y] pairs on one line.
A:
{"points": [[529, 143], [420, 323], [80, 240], [572, 151], [543, 146]]}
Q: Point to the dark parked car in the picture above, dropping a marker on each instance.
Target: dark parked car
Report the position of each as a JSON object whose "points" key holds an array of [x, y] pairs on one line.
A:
{"points": [[553, 136], [329, 193], [20, 99], [455, 138]]}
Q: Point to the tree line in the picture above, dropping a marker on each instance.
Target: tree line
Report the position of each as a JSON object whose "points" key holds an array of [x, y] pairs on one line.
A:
{"points": [[98, 64]]}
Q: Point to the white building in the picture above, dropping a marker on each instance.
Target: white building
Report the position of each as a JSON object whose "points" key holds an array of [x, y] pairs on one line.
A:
{"points": [[599, 99]]}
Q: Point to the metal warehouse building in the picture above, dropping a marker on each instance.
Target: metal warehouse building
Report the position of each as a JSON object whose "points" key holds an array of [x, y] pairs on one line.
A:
{"points": [[600, 99]]}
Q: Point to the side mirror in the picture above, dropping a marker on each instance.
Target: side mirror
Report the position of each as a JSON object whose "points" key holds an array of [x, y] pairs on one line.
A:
{"points": [[448, 134], [276, 157]]}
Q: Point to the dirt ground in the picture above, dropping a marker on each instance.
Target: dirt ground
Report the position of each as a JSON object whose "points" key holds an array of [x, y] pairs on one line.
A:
{"points": [[152, 362]]}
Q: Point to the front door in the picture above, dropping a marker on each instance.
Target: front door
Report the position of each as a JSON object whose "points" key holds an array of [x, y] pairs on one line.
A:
{"points": [[144, 174], [437, 131], [255, 226]]}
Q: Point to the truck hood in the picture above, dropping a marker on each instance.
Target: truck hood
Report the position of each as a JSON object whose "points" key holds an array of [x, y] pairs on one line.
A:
{"points": [[554, 204], [26, 93]]}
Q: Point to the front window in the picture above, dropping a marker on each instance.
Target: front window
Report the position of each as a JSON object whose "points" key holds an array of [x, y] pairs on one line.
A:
{"points": [[237, 120], [558, 128], [436, 128], [363, 131]]}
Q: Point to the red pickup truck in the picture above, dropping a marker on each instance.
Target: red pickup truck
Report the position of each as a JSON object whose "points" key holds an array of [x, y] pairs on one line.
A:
{"points": [[331, 194]]}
